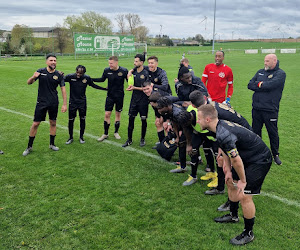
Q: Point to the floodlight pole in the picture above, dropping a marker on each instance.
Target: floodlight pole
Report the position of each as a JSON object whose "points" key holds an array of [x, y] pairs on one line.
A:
{"points": [[213, 45]]}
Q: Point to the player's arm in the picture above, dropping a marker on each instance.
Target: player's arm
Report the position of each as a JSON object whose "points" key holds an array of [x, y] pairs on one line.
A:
{"points": [[205, 76], [164, 81], [95, 86], [230, 86], [101, 79], [32, 79], [64, 96]]}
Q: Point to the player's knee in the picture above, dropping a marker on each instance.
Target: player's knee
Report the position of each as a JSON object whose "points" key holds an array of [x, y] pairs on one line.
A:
{"points": [[52, 123], [35, 124], [143, 118], [82, 117], [107, 115]]}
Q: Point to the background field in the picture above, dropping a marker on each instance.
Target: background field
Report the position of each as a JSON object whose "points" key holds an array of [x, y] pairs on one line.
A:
{"points": [[99, 195]]}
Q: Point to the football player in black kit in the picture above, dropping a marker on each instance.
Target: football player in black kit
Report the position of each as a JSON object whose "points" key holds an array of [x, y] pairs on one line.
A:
{"points": [[246, 162], [139, 100], [78, 83], [116, 76], [47, 100], [159, 79]]}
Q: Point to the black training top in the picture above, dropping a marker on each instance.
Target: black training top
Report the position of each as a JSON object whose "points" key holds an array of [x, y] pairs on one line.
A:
{"points": [[139, 79], [159, 79], [78, 87], [234, 139], [229, 114], [115, 81], [48, 82]]}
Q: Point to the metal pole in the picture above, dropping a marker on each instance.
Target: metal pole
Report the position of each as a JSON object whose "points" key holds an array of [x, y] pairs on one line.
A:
{"points": [[213, 45]]}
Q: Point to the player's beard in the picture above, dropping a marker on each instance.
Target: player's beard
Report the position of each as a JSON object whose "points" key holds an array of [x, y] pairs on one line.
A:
{"points": [[52, 67], [267, 68]]}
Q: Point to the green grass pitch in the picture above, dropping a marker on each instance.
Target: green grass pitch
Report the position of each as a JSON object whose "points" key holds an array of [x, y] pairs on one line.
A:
{"points": [[101, 196]]}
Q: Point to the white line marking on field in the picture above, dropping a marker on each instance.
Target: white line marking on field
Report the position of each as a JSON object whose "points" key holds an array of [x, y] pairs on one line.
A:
{"points": [[156, 157]]}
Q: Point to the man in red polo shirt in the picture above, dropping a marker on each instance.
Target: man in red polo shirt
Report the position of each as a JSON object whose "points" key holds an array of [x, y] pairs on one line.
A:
{"points": [[216, 77]]}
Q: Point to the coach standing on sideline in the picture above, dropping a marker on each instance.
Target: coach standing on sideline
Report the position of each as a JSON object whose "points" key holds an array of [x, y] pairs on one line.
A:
{"points": [[216, 77], [268, 84], [47, 101]]}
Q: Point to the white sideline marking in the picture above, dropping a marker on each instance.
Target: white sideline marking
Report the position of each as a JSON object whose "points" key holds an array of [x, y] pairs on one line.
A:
{"points": [[156, 157]]}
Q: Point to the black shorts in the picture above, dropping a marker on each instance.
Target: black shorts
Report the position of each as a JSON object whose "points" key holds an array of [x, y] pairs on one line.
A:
{"points": [[73, 110], [255, 175], [41, 110], [111, 101], [136, 107]]}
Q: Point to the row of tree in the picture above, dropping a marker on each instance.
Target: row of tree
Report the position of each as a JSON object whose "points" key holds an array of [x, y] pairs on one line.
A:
{"points": [[21, 40]]}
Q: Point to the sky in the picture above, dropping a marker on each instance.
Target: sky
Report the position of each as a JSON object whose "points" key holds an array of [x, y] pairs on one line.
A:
{"points": [[235, 19]]}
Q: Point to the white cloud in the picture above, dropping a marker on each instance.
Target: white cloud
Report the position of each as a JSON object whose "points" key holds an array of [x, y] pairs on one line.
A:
{"points": [[179, 18]]}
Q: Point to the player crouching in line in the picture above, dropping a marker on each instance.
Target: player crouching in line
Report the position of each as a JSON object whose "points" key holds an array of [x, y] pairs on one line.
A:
{"points": [[246, 162], [78, 83]]}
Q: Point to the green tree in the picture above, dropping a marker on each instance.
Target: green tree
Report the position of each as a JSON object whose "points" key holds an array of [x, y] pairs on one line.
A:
{"points": [[21, 36], [62, 37], [141, 33], [89, 22]]}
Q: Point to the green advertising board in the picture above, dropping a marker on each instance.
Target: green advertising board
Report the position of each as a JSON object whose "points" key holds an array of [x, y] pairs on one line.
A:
{"points": [[95, 43]]}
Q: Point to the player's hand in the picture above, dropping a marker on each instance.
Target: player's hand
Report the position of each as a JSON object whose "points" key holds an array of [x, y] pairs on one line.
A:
{"points": [[36, 75], [176, 80], [241, 186], [64, 108], [177, 141], [189, 149], [130, 88]]}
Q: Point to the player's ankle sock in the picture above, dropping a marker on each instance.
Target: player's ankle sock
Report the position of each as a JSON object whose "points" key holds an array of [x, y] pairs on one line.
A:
{"points": [[106, 127], [161, 135], [82, 127], [249, 224], [221, 179], [30, 141], [117, 126], [52, 138], [234, 207]]}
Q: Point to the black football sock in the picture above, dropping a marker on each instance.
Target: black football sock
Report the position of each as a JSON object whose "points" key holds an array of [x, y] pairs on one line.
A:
{"points": [[106, 127], [194, 165], [209, 158], [71, 127], [130, 127], [161, 135], [249, 224], [234, 207], [52, 138], [30, 141], [82, 127], [117, 126], [144, 129], [221, 179]]}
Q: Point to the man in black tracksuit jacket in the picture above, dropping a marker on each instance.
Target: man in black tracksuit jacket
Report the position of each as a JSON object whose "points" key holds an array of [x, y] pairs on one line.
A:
{"points": [[267, 84], [187, 84]]}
